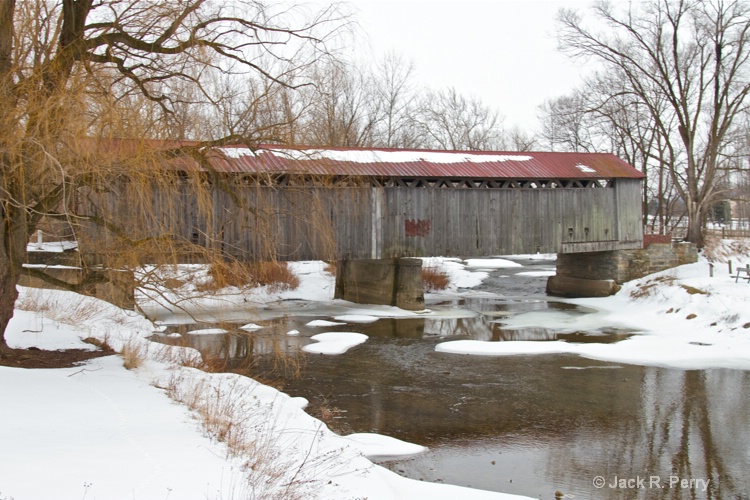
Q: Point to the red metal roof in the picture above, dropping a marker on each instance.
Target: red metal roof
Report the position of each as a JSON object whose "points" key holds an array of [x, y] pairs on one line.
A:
{"points": [[378, 162]]}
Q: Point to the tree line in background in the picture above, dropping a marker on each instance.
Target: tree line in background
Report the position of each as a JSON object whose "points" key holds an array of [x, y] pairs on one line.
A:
{"points": [[669, 98], [346, 104]]}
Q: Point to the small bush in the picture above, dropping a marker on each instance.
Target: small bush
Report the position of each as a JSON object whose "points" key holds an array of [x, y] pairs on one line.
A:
{"points": [[274, 274], [434, 279], [133, 355]]}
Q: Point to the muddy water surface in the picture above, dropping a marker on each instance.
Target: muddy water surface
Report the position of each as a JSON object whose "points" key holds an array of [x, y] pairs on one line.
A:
{"points": [[530, 425]]}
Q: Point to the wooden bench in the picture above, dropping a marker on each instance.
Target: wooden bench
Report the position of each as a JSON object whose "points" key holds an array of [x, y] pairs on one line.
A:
{"points": [[742, 273]]}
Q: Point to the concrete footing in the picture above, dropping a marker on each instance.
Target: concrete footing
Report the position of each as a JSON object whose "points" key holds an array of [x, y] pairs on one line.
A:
{"points": [[394, 282], [563, 286]]}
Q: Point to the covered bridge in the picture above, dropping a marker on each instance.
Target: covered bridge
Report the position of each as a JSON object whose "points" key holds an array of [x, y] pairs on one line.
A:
{"points": [[372, 209], [346, 203]]}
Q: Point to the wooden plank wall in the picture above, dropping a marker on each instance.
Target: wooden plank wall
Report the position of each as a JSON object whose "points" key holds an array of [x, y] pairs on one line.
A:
{"points": [[495, 221], [301, 223]]}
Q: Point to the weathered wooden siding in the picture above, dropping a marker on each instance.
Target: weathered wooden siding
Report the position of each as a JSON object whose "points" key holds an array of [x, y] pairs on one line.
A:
{"points": [[464, 222], [299, 223]]}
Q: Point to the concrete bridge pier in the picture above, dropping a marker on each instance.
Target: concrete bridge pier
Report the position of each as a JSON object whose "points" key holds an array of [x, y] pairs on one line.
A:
{"points": [[599, 274], [395, 282]]}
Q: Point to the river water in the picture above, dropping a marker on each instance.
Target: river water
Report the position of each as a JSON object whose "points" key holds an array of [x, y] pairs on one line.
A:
{"points": [[530, 425]]}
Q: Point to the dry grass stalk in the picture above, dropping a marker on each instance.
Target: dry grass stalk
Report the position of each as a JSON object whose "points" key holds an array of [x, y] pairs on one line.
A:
{"points": [[69, 312], [133, 354], [651, 286], [718, 250], [274, 274], [229, 414], [434, 279]]}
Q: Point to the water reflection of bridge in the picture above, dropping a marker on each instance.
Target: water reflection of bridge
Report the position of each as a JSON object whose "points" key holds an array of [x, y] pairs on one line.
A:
{"points": [[476, 318]]}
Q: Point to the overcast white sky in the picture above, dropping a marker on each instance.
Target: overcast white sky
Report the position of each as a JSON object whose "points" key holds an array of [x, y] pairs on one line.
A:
{"points": [[502, 51]]}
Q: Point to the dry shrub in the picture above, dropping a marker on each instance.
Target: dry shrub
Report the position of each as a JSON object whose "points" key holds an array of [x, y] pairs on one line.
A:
{"points": [[229, 414], [274, 274], [69, 309], [133, 355], [434, 279], [719, 250]]}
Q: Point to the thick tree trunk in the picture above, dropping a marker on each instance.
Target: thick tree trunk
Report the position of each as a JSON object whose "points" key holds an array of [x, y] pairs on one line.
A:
{"points": [[13, 240], [8, 295], [695, 233]]}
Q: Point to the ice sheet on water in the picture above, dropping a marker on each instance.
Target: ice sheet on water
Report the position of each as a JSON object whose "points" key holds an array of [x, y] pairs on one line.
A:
{"points": [[334, 343], [356, 318], [323, 323]]}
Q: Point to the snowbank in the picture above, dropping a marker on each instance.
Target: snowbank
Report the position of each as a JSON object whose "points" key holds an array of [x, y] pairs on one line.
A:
{"points": [[166, 430]]}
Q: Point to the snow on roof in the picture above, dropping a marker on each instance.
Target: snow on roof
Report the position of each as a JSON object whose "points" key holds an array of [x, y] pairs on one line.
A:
{"points": [[396, 156], [584, 168], [379, 162]]}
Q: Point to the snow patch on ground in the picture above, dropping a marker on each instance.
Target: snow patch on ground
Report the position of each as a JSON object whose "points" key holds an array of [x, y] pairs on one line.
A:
{"points": [[491, 263]]}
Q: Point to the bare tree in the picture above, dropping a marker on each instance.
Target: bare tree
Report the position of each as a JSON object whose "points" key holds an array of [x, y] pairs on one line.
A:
{"points": [[519, 140], [69, 69], [342, 110], [447, 120], [625, 126], [693, 56], [567, 123], [395, 93]]}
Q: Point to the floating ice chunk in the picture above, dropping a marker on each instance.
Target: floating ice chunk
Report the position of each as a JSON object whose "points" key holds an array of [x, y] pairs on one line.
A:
{"points": [[293, 333], [356, 318], [207, 331], [482, 348], [250, 327], [322, 322], [334, 342]]}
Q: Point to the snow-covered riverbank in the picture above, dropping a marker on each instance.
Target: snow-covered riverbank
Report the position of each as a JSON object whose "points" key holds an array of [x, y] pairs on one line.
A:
{"points": [[102, 431], [683, 317], [166, 430]]}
